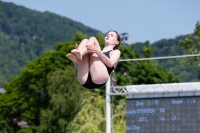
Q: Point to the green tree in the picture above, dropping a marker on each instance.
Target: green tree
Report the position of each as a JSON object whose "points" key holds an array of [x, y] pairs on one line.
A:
{"points": [[27, 94], [66, 98], [4, 126], [141, 72], [192, 44]]}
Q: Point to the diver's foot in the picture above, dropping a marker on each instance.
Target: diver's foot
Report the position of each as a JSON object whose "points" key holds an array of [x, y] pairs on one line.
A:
{"points": [[77, 53], [72, 57]]}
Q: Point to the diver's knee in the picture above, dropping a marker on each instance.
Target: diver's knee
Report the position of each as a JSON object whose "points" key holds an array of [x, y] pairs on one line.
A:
{"points": [[84, 40]]}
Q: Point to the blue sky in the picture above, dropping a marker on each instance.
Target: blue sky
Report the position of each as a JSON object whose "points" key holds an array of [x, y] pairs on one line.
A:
{"points": [[144, 20]]}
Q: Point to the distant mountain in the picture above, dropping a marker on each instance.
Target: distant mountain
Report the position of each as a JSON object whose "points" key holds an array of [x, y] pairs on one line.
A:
{"points": [[38, 26], [26, 34]]}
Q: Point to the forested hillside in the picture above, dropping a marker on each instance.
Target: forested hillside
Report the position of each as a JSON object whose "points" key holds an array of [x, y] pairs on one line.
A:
{"points": [[25, 34], [178, 66], [171, 47]]}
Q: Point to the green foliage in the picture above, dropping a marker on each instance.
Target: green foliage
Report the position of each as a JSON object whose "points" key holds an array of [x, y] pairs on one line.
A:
{"points": [[173, 47], [45, 93], [4, 127], [91, 117], [124, 68], [141, 72], [27, 94], [25, 130], [65, 101], [192, 45], [147, 51]]}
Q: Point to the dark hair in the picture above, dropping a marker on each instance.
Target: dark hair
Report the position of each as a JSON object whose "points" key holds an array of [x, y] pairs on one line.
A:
{"points": [[118, 38]]}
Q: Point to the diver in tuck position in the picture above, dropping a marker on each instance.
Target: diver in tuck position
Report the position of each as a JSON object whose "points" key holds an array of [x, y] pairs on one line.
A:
{"points": [[94, 65]]}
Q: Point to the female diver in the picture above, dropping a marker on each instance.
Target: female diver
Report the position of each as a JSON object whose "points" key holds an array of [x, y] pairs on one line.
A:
{"points": [[94, 65]]}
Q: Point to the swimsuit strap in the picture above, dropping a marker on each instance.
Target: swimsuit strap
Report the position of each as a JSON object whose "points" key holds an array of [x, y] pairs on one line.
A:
{"points": [[108, 68], [107, 53]]}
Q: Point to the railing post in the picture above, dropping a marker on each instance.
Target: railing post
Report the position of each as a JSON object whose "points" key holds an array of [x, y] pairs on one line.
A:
{"points": [[108, 108]]}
